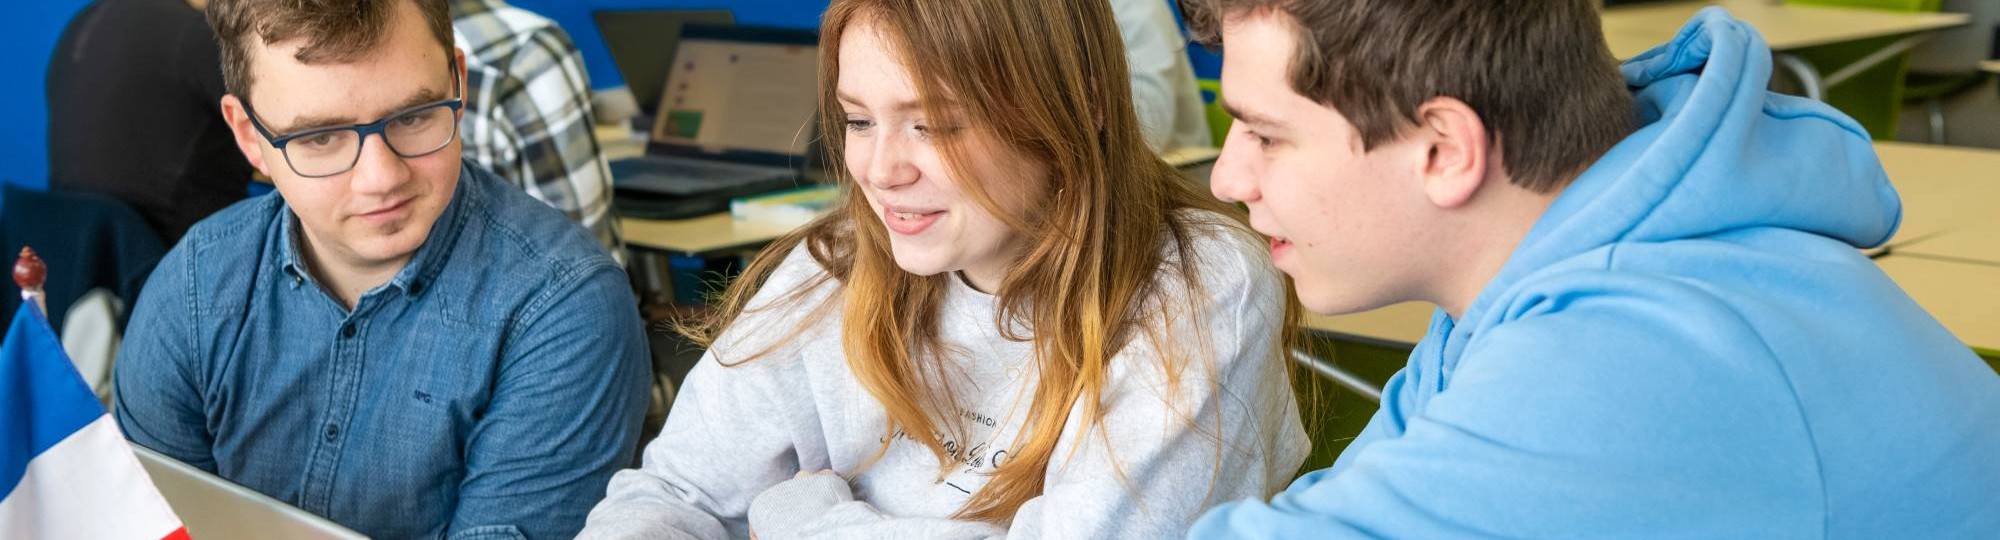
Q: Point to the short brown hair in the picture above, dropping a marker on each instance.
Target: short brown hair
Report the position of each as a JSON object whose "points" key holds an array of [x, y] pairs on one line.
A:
{"points": [[334, 30], [1537, 72]]}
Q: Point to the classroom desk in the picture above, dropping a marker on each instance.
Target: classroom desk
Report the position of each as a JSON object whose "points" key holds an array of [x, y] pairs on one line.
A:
{"points": [[1634, 29], [1944, 190], [1397, 326], [1979, 243], [698, 236], [618, 142], [1965, 297]]}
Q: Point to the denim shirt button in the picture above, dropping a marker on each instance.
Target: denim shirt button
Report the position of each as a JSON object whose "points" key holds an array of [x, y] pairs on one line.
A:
{"points": [[347, 330], [416, 288], [332, 432]]}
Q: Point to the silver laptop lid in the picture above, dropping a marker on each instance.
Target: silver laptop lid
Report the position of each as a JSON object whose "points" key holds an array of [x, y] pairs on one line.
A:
{"points": [[217, 509]]}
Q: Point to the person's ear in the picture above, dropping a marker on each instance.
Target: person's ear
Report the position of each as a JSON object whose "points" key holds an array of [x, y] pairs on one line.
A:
{"points": [[1456, 149], [464, 91], [248, 140]]}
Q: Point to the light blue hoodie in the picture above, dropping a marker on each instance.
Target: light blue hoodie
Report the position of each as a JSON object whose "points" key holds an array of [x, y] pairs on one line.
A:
{"points": [[1688, 344]]}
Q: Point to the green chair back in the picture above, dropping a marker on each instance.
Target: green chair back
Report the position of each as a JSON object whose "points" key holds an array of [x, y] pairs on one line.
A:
{"points": [[1218, 119], [1874, 97]]}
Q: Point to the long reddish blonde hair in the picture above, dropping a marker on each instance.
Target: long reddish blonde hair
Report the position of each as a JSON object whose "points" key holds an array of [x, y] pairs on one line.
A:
{"points": [[1048, 79]]}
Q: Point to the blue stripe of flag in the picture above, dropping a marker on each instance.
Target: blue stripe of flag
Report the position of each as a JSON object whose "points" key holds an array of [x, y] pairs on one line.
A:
{"points": [[42, 398]]}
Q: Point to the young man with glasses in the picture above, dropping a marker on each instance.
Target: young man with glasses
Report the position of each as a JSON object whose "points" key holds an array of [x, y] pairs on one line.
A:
{"points": [[398, 341]]}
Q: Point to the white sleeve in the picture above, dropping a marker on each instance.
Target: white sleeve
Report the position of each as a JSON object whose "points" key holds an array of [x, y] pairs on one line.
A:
{"points": [[733, 432]]}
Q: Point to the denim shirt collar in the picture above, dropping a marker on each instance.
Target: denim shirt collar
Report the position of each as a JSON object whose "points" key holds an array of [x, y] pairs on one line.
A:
{"points": [[423, 267]]}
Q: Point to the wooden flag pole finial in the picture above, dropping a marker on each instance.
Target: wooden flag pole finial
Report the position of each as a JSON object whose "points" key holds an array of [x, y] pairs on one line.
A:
{"points": [[29, 271]]}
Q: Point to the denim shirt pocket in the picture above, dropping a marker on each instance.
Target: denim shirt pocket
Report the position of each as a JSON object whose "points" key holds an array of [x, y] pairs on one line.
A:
{"points": [[451, 363]]}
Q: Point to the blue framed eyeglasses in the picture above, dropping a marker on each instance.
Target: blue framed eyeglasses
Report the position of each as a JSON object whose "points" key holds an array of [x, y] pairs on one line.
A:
{"points": [[410, 133]]}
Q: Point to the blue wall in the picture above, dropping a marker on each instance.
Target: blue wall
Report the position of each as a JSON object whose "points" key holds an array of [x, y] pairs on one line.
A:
{"points": [[27, 35]]}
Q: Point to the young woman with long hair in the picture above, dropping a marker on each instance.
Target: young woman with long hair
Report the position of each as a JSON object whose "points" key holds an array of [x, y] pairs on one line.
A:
{"points": [[1019, 322]]}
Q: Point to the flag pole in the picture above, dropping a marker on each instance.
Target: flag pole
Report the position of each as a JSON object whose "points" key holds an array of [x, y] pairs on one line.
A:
{"points": [[30, 273]]}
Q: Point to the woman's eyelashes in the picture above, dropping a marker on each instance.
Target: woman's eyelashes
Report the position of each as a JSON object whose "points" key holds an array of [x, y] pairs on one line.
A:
{"points": [[927, 132], [918, 130]]}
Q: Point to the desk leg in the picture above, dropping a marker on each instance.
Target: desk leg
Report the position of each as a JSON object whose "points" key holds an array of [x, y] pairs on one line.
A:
{"points": [[1815, 85], [1342, 377], [1804, 72], [1873, 59], [650, 279]]}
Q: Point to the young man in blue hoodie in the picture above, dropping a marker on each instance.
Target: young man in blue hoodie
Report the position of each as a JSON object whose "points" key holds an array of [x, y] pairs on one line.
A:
{"points": [[1654, 318]]}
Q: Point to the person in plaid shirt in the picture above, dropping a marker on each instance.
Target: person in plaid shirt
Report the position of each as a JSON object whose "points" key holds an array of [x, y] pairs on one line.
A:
{"points": [[527, 112]]}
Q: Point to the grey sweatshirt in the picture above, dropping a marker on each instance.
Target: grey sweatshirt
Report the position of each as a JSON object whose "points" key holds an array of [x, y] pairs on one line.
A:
{"points": [[724, 465]]}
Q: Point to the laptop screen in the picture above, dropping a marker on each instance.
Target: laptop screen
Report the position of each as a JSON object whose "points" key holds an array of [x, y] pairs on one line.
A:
{"points": [[740, 89], [642, 43]]}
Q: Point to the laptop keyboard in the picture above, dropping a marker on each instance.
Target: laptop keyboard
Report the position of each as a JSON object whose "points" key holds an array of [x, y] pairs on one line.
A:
{"points": [[687, 177]]}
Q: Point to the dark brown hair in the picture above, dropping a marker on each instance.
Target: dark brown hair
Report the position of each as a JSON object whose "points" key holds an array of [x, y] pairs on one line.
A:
{"points": [[1537, 72], [333, 30]]}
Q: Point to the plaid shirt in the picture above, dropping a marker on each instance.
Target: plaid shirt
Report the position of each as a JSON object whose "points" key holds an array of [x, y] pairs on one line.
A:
{"points": [[528, 114]]}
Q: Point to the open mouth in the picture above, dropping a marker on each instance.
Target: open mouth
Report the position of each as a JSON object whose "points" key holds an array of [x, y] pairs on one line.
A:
{"points": [[909, 222]]}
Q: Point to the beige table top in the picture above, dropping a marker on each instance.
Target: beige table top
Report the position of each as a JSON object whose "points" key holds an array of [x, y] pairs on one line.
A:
{"points": [[1965, 297], [1943, 188], [1973, 243], [1991, 66], [618, 142], [1635, 29], [706, 234], [1400, 324]]}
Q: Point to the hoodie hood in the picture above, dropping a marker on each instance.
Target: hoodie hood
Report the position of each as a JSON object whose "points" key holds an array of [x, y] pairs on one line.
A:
{"points": [[1717, 153]]}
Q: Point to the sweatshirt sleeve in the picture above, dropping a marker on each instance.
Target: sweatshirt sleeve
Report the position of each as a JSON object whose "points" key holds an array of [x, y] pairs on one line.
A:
{"points": [[732, 431], [1167, 449], [1615, 415]]}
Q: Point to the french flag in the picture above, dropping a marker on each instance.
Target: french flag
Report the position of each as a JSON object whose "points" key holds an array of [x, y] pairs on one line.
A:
{"points": [[65, 469]]}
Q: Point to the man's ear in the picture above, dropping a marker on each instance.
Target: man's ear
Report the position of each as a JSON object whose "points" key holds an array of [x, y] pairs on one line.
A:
{"points": [[247, 139], [464, 91], [1457, 148]]}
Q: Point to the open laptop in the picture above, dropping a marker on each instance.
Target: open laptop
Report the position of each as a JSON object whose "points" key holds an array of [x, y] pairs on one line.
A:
{"points": [[217, 509], [734, 118], [642, 44]]}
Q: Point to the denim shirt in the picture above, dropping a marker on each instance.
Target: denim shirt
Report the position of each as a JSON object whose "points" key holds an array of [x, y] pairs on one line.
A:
{"points": [[488, 390]]}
